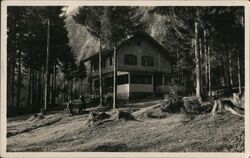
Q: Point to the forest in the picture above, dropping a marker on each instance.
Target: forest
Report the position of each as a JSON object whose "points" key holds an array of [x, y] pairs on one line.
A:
{"points": [[46, 47]]}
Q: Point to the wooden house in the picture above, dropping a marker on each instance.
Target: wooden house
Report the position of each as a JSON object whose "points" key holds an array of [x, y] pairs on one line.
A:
{"points": [[143, 68]]}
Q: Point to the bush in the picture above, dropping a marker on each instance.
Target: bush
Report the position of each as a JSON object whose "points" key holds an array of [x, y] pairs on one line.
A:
{"points": [[172, 102], [207, 106], [192, 105], [172, 105]]}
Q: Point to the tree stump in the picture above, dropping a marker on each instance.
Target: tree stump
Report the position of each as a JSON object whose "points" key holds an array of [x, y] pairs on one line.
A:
{"points": [[220, 105]]}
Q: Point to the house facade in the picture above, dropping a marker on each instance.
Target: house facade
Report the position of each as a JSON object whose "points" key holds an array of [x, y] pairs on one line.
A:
{"points": [[143, 68]]}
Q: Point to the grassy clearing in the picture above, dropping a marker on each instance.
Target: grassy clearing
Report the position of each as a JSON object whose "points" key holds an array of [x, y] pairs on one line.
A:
{"points": [[174, 133]]}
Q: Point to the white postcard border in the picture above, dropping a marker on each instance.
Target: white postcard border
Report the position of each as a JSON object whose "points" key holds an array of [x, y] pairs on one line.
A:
{"points": [[3, 98]]}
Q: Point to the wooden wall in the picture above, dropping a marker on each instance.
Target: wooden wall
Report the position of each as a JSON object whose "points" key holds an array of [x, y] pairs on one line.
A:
{"points": [[146, 48]]}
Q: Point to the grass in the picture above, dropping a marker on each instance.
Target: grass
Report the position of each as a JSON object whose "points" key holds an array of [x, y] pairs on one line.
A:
{"points": [[174, 133], [31, 123]]}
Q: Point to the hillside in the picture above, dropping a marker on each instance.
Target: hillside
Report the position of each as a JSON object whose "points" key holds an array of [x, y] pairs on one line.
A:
{"points": [[173, 133]]}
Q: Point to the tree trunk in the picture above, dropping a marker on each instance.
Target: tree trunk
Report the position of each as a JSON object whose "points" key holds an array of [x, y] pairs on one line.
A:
{"points": [[13, 57], [29, 88], [11, 65], [177, 60], [227, 74], [18, 40], [209, 73], [13, 77], [55, 93], [63, 89], [206, 60], [230, 68], [39, 88], [115, 75], [14, 64], [43, 86], [9, 79], [100, 73], [32, 87], [239, 73], [67, 90], [35, 91], [53, 84], [79, 90], [19, 82], [51, 87], [30, 71], [71, 85], [47, 69], [227, 68], [201, 63], [197, 60]]}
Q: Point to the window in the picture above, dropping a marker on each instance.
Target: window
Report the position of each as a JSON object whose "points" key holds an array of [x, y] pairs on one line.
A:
{"points": [[147, 61], [104, 63], [122, 79], [94, 65], [110, 61], [140, 79], [130, 59]]}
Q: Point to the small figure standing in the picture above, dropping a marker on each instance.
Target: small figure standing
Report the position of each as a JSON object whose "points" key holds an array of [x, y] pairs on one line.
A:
{"points": [[70, 107], [83, 103]]}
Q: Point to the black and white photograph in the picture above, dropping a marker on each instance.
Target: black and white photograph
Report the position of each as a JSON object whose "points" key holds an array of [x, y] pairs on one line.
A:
{"points": [[124, 78]]}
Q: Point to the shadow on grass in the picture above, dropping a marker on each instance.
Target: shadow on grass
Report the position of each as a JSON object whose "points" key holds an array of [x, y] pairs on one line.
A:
{"points": [[111, 147]]}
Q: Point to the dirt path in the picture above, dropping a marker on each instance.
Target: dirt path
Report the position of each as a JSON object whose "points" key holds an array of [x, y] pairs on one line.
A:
{"points": [[172, 134]]}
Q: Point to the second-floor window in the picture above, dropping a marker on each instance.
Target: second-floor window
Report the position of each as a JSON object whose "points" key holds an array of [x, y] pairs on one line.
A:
{"points": [[147, 61], [130, 59], [94, 65]]}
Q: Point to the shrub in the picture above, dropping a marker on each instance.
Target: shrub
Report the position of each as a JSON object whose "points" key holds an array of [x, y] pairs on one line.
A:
{"points": [[172, 105], [192, 105], [172, 102]]}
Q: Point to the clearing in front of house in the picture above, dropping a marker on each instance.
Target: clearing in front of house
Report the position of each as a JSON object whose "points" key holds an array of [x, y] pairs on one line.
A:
{"points": [[150, 131]]}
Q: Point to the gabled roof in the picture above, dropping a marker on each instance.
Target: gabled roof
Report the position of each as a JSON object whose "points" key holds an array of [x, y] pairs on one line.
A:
{"points": [[141, 34]]}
